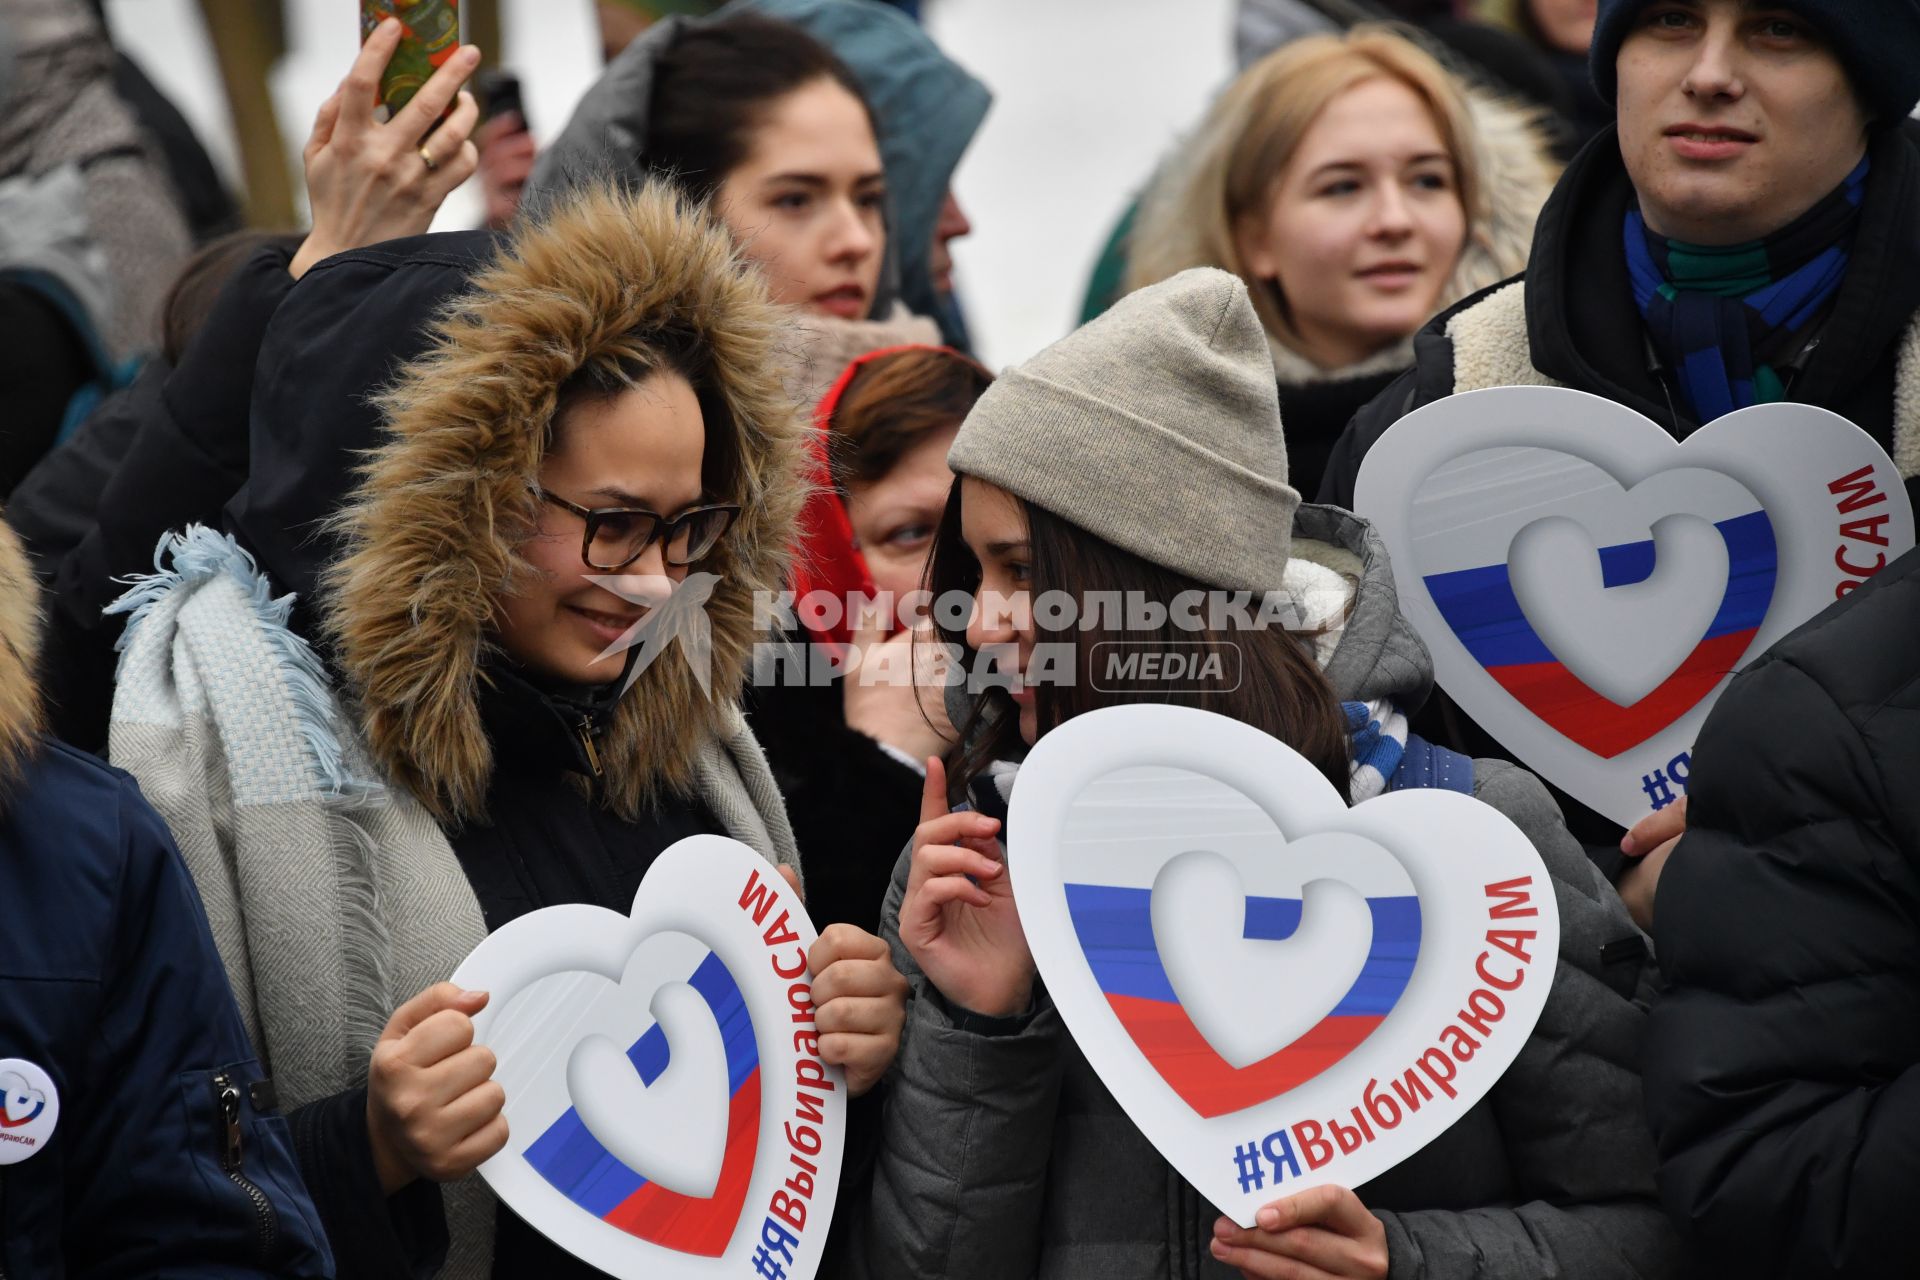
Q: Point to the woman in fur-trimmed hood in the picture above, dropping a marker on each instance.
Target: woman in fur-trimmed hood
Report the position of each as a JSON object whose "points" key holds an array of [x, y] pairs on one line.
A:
{"points": [[530, 563]]}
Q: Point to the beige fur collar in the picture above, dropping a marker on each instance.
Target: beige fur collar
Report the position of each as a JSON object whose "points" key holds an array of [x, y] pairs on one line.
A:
{"points": [[433, 530]]}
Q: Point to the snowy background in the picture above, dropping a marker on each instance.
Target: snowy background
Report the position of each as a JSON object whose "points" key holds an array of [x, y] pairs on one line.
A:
{"points": [[1087, 95]]}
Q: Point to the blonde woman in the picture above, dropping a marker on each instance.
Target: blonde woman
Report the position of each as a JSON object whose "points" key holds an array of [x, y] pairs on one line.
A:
{"points": [[1358, 188]]}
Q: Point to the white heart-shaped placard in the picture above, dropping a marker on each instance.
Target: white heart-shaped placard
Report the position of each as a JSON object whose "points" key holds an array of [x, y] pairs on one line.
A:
{"points": [[1176, 869], [669, 1113], [1555, 551]]}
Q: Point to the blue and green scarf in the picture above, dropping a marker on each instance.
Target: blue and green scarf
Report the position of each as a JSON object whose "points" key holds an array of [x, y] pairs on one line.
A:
{"points": [[1723, 317]]}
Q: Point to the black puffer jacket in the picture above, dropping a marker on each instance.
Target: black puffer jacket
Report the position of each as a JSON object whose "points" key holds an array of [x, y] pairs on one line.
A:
{"points": [[1783, 1068]]}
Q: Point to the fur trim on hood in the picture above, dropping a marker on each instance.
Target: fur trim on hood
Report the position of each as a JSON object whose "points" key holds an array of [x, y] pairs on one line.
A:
{"points": [[1519, 172], [432, 534], [19, 657]]}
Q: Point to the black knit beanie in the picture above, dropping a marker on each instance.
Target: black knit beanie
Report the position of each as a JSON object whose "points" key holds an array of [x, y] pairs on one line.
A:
{"points": [[1878, 41]]}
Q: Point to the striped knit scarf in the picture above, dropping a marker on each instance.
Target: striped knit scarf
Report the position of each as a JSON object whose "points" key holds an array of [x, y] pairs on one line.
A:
{"points": [[1387, 758], [1724, 316]]}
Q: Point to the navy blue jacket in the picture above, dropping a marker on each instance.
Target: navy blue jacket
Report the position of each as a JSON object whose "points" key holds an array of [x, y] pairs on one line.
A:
{"points": [[109, 981]]}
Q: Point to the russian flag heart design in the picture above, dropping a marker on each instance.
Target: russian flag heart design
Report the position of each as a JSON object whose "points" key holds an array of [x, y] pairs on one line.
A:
{"points": [[1482, 605], [660, 1092], [1114, 925], [1587, 585], [1243, 959], [578, 1164]]}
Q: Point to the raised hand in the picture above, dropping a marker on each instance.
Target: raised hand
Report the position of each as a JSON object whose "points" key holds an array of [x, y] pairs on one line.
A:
{"points": [[958, 921], [908, 715], [507, 153], [368, 181]]}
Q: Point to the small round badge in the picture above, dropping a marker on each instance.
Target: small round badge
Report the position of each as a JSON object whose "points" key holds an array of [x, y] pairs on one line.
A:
{"points": [[29, 1108]]}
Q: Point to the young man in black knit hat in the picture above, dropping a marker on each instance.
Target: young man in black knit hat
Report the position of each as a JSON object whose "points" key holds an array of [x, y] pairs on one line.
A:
{"points": [[1765, 136], [1761, 157]]}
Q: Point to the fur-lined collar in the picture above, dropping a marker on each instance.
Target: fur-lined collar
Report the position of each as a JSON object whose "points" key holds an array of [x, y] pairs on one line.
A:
{"points": [[432, 533], [19, 657]]}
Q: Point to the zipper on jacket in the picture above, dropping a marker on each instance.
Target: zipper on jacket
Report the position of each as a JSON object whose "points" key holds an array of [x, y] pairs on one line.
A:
{"points": [[265, 1222], [585, 730]]}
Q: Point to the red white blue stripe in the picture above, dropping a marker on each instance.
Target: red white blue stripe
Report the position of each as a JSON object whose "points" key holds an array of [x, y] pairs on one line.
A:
{"points": [[574, 1162], [1114, 924], [1480, 606]]}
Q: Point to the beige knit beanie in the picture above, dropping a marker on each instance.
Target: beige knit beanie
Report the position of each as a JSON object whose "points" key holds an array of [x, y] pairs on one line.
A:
{"points": [[1155, 427]]}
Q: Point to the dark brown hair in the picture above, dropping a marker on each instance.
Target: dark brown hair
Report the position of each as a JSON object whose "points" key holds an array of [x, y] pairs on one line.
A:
{"points": [[1280, 691], [713, 85], [644, 353], [190, 300], [892, 402]]}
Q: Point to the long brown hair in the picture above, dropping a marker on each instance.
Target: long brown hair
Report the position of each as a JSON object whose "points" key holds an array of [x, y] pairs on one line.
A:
{"points": [[1280, 691]]}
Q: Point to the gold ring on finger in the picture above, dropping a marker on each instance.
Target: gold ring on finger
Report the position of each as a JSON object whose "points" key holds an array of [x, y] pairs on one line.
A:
{"points": [[427, 157]]}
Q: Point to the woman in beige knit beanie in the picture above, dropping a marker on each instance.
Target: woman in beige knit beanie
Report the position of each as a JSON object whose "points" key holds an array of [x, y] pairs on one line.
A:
{"points": [[1136, 470]]}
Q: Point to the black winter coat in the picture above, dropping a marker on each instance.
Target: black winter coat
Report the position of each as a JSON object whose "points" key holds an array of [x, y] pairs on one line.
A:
{"points": [[168, 451], [1783, 1066], [851, 804], [1315, 414]]}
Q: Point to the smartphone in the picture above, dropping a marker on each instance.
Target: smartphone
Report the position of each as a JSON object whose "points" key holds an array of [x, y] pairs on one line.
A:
{"points": [[499, 95], [432, 34]]}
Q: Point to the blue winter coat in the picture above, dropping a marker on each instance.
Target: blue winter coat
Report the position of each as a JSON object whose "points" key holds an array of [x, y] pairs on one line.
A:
{"points": [[167, 1158]]}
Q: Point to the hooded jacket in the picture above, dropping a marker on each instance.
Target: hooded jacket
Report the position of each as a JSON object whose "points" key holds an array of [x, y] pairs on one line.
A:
{"points": [[1517, 175], [1783, 1060], [850, 797], [361, 812], [926, 110], [110, 983], [1004, 1155]]}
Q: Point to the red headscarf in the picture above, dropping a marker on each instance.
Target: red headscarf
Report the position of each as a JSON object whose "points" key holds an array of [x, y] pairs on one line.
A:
{"points": [[825, 557]]}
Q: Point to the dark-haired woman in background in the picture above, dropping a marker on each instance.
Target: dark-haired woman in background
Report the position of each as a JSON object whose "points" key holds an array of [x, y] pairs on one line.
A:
{"points": [[1563, 32], [849, 755], [761, 122]]}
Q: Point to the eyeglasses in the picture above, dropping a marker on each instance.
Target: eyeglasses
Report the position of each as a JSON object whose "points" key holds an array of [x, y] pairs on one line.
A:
{"points": [[617, 536]]}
